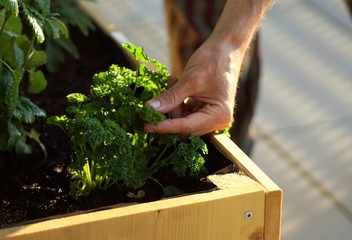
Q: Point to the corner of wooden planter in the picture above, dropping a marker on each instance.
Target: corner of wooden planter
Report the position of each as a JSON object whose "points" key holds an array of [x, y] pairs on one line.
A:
{"points": [[273, 194]]}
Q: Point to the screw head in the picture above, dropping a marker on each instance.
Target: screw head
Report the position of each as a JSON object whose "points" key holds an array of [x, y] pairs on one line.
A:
{"points": [[248, 215]]}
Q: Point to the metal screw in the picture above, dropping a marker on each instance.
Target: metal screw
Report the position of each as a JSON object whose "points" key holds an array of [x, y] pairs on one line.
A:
{"points": [[248, 215]]}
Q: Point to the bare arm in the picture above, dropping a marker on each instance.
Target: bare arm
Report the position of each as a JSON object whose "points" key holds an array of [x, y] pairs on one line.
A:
{"points": [[210, 77]]}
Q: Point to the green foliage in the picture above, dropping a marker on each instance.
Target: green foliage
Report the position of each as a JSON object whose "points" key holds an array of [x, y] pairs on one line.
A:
{"points": [[24, 25], [37, 82], [107, 131], [77, 98], [10, 5], [226, 131], [55, 45], [171, 190]]}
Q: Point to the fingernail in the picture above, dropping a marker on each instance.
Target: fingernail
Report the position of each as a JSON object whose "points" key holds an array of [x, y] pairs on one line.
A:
{"points": [[154, 103], [171, 81], [149, 129]]}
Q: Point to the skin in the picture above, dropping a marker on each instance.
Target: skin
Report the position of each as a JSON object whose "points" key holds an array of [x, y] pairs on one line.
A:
{"points": [[209, 80]]}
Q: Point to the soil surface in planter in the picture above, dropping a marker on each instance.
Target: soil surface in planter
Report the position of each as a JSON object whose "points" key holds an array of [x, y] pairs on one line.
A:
{"points": [[32, 187]]}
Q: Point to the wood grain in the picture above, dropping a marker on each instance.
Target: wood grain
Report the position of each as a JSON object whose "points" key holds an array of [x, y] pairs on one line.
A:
{"points": [[214, 215], [273, 194]]}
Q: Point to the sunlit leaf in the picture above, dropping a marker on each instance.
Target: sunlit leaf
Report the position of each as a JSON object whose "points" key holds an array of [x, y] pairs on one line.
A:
{"points": [[10, 5]]}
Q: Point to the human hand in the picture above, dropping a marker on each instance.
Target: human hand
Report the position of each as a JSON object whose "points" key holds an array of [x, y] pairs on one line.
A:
{"points": [[209, 81]]}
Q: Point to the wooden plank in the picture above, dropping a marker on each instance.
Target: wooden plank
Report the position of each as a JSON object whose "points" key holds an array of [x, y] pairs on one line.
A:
{"points": [[273, 195], [214, 215]]}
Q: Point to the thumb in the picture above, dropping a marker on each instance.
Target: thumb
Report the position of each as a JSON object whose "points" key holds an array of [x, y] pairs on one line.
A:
{"points": [[171, 98]]}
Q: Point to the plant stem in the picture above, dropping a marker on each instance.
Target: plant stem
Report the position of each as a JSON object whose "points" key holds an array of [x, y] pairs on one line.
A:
{"points": [[8, 66], [26, 58], [161, 155], [108, 185], [164, 161], [35, 136], [3, 24], [159, 163], [157, 182]]}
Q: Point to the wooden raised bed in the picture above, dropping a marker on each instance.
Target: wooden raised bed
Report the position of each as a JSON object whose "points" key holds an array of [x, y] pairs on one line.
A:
{"points": [[246, 210]]}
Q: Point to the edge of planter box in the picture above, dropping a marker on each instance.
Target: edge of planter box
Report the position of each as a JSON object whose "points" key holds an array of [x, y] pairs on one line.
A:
{"points": [[220, 214], [214, 215], [273, 194]]}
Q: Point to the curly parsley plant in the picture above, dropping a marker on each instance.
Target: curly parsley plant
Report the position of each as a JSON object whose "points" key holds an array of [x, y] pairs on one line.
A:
{"points": [[107, 131]]}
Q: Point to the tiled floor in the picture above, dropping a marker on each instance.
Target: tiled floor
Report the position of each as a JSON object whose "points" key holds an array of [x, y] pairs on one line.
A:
{"points": [[304, 118], [304, 115]]}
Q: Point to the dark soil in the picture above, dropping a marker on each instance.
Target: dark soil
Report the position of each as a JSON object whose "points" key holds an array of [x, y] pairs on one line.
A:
{"points": [[32, 187]]}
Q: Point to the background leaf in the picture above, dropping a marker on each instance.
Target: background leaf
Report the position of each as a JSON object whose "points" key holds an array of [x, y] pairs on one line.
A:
{"points": [[9, 98], [14, 132], [60, 25], [38, 58], [11, 52], [54, 30], [1, 67], [57, 27], [37, 82], [33, 134], [18, 56], [26, 110], [68, 46], [22, 147], [13, 25], [54, 54], [10, 5], [77, 17], [44, 5], [6, 84], [35, 20]]}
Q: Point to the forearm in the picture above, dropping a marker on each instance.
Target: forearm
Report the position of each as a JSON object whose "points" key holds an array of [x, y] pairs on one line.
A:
{"points": [[210, 77], [238, 22]]}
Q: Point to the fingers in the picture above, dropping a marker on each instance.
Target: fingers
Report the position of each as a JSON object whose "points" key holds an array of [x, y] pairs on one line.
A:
{"points": [[171, 98], [171, 80], [183, 126], [177, 112], [198, 123]]}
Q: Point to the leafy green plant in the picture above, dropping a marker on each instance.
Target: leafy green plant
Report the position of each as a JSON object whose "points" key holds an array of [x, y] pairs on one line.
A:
{"points": [[72, 15], [23, 26], [107, 131]]}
